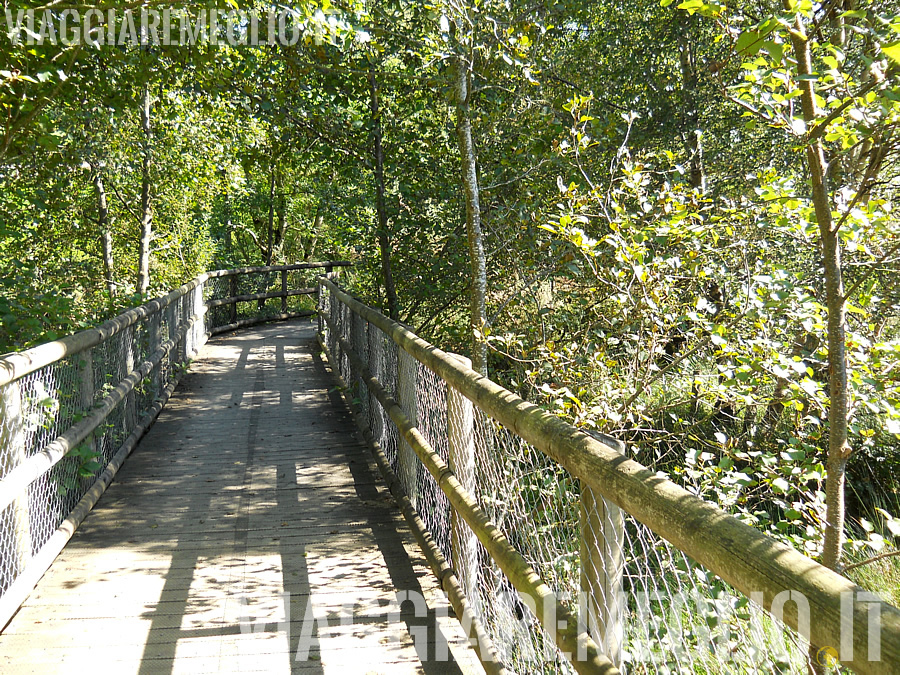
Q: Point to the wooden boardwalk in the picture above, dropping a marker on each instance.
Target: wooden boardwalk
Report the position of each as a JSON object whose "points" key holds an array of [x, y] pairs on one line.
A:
{"points": [[250, 494]]}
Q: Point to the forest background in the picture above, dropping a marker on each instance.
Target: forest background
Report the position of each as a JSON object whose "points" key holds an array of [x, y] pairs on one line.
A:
{"points": [[673, 223]]}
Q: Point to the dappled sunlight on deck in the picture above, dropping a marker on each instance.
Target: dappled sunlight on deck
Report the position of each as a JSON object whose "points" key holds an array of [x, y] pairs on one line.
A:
{"points": [[247, 533]]}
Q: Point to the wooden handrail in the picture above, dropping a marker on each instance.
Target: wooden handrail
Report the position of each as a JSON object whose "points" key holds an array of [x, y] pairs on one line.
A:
{"points": [[279, 268], [756, 565], [183, 311], [557, 620], [18, 364], [259, 296]]}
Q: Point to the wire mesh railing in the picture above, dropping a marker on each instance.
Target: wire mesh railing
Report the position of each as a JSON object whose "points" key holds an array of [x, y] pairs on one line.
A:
{"points": [[72, 410], [659, 581]]}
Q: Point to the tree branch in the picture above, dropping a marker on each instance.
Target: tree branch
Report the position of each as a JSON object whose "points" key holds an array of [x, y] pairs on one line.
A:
{"points": [[889, 554], [859, 282]]}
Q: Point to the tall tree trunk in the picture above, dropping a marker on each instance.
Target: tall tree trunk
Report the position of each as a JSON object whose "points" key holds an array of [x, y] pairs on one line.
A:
{"points": [[477, 310], [839, 409], [384, 240], [686, 58], [143, 281], [309, 249], [271, 221], [229, 244], [839, 449], [105, 234]]}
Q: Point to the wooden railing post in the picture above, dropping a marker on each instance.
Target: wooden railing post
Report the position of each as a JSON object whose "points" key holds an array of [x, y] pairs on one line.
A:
{"points": [[192, 307], [130, 419], [461, 444], [200, 326], [407, 367], [172, 324], [186, 311], [284, 297], [86, 386], [323, 309], [602, 607], [233, 290], [13, 453], [153, 343], [187, 303]]}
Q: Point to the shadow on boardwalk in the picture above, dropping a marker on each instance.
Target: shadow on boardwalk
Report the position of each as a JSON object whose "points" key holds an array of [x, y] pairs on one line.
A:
{"points": [[250, 501]]}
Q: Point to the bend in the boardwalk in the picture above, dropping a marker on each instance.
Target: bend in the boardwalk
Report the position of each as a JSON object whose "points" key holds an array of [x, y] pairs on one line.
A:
{"points": [[250, 494]]}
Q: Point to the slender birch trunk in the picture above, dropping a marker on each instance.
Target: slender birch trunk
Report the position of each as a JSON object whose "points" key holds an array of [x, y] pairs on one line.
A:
{"points": [[839, 395], [143, 281], [384, 239], [838, 392], [478, 265], [105, 234]]}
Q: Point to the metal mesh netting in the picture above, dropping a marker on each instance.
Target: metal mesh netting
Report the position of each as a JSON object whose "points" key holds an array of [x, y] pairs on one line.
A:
{"points": [[38, 408], [650, 607], [43, 405]]}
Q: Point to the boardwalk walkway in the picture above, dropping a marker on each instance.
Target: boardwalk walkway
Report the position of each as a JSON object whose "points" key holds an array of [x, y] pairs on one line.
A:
{"points": [[251, 486]]}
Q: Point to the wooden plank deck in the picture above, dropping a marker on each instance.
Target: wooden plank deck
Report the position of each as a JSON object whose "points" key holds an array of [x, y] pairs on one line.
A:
{"points": [[250, 494]]}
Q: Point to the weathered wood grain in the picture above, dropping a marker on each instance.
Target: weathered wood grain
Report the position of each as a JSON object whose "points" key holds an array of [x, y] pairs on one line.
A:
{"points": [[251, 485]]}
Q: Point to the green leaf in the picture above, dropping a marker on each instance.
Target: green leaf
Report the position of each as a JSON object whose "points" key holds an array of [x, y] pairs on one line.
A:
{"points": [[809, 386], [892, 52], [780, 485], [749, 43], [776, 50]]}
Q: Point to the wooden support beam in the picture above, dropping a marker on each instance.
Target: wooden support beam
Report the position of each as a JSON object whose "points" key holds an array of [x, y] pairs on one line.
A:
{"points": [[756, 565], [555, 617]]}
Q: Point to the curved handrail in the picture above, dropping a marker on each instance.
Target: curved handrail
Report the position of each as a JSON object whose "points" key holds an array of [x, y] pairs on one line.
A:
{"points": [[53, 399], [756, 565]]}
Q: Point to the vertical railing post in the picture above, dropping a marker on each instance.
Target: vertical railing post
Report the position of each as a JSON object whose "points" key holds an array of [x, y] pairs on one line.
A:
{"points": [[172, 324], [186, 311], [406, 390], [461, 444], [153, 342], [262, 287], [320, 308], [190, 308], [130, 418], [12, 454], [233, 291], [187, 304], [199, 327], [602, 603], [284, 296], [86, 386]]}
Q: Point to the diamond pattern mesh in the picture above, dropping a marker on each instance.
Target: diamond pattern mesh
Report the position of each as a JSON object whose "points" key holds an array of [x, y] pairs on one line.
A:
{"points": [[649, 606]]}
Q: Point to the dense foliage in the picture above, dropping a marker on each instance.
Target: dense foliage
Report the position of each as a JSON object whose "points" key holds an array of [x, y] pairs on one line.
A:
{"points": [[670, 222]]}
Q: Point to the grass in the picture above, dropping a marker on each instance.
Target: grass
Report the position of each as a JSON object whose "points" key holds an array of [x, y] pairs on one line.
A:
{"points": [[880, 576]]}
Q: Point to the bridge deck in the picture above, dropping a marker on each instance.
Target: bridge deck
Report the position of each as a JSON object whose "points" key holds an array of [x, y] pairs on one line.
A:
{"points": [[250, 486]]}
